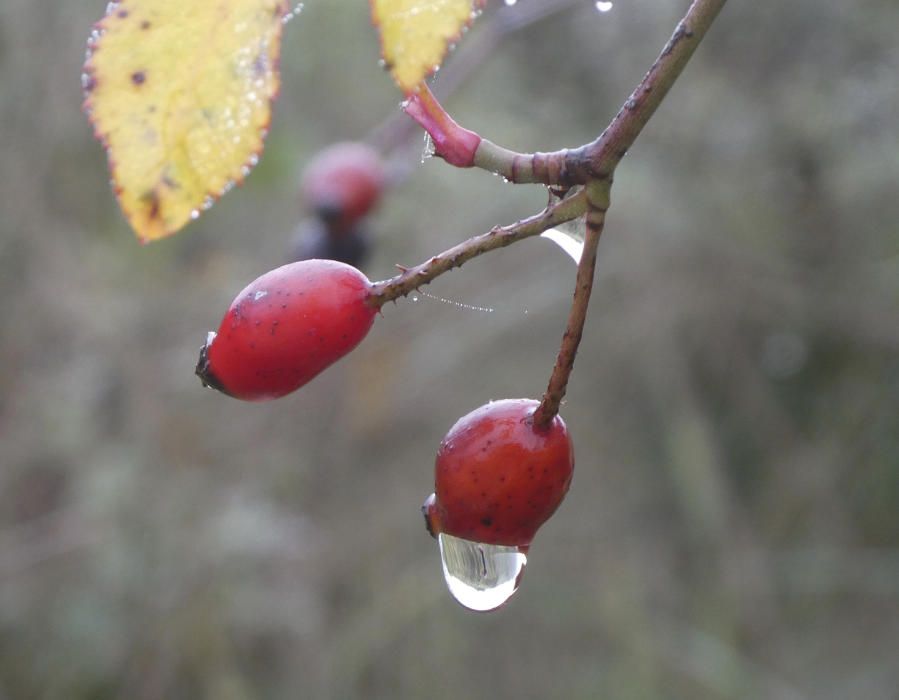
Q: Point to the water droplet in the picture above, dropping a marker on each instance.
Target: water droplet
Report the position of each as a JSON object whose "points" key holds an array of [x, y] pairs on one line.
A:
{"points": [[290, 14], [510, 3], [481, 576], [603, 6], [459, 304], [573, 245], [195, 214], [429, 148]]}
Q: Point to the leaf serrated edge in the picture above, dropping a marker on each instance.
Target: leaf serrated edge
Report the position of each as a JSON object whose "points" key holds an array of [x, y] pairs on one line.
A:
{"points": [[88, 83], [477, 7]]}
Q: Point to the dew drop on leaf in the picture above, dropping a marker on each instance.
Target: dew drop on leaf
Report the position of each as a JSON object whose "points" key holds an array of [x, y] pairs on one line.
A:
{"points": [[416, 34], [481, 576], [181, 135]]}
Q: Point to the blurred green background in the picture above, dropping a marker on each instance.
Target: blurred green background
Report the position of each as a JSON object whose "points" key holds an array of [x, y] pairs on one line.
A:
{"points": [[733, 526]]}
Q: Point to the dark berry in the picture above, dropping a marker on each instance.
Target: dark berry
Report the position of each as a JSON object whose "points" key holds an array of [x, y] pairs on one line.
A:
{"points": [[314, 239]]}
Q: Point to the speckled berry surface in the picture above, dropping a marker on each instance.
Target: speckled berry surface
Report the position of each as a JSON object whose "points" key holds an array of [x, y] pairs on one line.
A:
{"points": [[498, 478], [285, 328]]}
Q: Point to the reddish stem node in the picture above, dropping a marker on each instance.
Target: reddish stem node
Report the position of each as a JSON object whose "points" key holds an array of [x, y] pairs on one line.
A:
{"points": [[455, 144]]}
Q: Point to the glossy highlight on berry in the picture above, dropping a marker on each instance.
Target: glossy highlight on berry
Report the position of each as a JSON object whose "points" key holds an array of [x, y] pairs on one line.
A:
{"points": [[286, 327]]}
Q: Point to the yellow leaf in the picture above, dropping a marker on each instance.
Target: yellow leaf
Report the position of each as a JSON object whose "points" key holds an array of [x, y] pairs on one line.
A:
{"points": [[179, 92], [415, 34]]}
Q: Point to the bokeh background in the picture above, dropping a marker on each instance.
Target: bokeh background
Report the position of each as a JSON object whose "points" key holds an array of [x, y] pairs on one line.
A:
{"points": [[733, 526]]}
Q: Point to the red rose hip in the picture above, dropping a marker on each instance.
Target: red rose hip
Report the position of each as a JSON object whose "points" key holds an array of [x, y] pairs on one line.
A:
{"points": [[285, 328], [498, 476], [343, 183]]}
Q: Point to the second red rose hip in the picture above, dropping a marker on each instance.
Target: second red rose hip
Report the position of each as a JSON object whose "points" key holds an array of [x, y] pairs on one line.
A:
{"points": [[286, 327]]}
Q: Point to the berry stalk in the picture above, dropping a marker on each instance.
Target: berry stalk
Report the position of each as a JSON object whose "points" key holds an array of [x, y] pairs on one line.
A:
{"points": [[597, 195]]}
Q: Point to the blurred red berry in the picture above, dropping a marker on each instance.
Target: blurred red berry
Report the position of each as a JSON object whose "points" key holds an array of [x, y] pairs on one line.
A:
{"points": [[343, 183]]}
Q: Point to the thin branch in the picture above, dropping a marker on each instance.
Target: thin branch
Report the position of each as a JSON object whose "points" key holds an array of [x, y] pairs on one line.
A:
{"points": [[480, 43], [599, 158], [596, 160], [604, 154], [597, 196], [591, 165], [412, 278]]}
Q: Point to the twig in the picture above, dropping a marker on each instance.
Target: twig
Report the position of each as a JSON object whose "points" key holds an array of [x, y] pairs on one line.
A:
{"points": [[606, 152], [478, 46], [597, 159], [591, 165], [597, 196], [412, 278]]}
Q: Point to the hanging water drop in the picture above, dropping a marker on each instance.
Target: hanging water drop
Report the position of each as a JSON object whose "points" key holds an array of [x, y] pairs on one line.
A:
{"points": [[481, 576], [569, 241], [429, 148], [603, 6]]}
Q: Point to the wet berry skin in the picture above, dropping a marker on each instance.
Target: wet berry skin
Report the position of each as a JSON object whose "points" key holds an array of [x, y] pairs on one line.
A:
{"points": [[286, 327], [498, 478], [343, 183]]}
